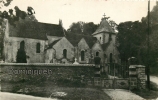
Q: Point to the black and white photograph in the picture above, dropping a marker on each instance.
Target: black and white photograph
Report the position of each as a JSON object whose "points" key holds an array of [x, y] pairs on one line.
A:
{"points": [[78, 50]]}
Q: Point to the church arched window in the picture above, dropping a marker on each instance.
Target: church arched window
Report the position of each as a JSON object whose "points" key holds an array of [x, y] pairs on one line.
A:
{"points": [[22, 45], [82, 55], [38, 48], [65, 53], [97, 53], [21, 54]]}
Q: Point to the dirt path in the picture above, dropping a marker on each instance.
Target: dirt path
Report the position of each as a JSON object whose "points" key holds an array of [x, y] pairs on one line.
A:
{"points": [[121, 94], [154, 79]]}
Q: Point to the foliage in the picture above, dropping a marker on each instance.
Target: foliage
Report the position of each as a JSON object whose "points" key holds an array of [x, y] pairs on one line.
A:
{"points": [[153, 16], [83, 28], [12, 20], [5, 3], [1, 36], [132, 38], [21, 56]]}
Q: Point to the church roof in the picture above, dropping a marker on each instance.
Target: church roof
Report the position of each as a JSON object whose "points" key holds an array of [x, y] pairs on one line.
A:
{"points": [[104, 27], [52, 44], [36, 30], [90, 40], [75, 38]]}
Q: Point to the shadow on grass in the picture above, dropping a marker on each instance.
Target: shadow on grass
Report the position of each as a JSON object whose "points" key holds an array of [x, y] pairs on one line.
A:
{"points": [[72, 93], [146, 94], [81, 92]]}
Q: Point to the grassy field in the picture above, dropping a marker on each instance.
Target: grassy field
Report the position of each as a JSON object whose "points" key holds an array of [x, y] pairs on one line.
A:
{"points": [[81, 94], [51, 90], [69, 93]]}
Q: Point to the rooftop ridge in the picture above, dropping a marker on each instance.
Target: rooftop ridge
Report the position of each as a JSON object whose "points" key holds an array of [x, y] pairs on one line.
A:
{"points": [[104, 27]]}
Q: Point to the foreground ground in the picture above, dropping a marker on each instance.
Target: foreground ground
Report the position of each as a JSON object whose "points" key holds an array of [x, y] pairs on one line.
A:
{"points": [[82, 94], [121, 94], [12, 96], [64, 93], [153, 93], [61, 94]]}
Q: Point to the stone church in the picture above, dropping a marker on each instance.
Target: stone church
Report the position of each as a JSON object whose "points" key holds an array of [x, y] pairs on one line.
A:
{"points": [[37, 42]]}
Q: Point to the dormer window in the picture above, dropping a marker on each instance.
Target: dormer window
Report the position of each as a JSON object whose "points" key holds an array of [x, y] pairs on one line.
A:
{"points": [[38, 48]]}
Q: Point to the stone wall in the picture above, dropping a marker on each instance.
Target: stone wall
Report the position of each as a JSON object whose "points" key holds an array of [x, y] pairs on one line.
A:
{"points": [[98, 36], [83, 46], [116, 83], [60, 46], [17, 76], [13, 44], [97, 48], [112, 49], [137, 76]]}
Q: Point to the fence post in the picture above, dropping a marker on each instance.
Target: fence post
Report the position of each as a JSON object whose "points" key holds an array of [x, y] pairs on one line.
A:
{"points": [[132, 77], [97, 80], [141, 76]]}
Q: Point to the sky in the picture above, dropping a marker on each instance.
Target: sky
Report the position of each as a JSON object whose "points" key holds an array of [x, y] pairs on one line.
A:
{"points": [[69, 11]]}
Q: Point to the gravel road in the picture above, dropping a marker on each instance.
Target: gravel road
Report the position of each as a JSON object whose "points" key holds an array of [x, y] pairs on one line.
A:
{"points": [[154, 79], [121, 94]]}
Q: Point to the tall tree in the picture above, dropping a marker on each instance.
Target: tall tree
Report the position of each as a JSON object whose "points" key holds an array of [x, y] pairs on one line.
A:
{"points": [[12, 19], [83, 28], [5, 3], [130, 37], [3, 15], [153, 16]]}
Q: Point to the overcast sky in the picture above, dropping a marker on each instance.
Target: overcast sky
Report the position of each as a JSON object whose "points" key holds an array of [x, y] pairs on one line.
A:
{"points": [[50, 11]]}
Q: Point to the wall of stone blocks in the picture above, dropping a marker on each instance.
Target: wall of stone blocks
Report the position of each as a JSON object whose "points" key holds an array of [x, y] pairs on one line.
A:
{"points": [[115, 83], [137, 77], [18, 75]]}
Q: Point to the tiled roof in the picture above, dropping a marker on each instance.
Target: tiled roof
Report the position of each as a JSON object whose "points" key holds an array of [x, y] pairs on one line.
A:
{"points": [[104, 27], [36, 30], [53, 43], [75, 38], [90, 40]]}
